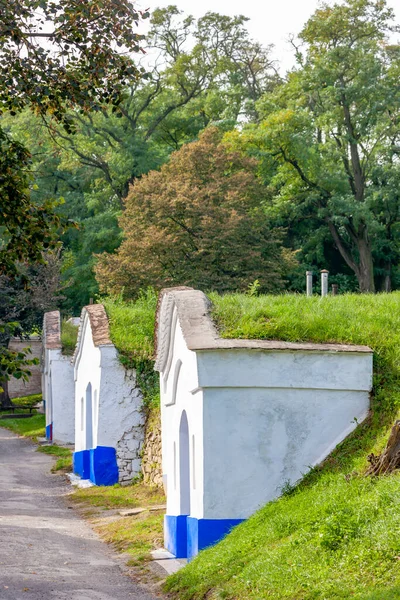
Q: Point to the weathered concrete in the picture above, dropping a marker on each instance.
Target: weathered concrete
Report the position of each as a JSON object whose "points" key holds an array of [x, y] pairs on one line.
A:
{"points": [[47, 552]]}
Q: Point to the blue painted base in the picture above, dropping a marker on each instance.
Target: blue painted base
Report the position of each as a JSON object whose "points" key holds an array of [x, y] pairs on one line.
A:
{"points": [[49, 432], [185, 536], [202, 533], [81, 464], [103, 466], [175, 535]]}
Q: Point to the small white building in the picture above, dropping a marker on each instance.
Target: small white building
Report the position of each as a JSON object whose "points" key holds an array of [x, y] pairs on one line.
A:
{"points": [[109, 420], [57, 383], [242, 419]]}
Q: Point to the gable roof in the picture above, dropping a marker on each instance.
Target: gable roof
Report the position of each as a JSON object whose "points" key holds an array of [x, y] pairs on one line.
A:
{"points": [[200, 333]]}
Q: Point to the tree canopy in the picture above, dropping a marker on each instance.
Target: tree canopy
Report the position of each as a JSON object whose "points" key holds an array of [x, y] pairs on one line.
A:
{"points": [[329, 137], [196, 222], [201, 71], [55, 57]]}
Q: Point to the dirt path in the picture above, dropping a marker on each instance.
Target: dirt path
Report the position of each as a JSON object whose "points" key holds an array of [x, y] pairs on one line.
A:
{"points": [[46, 551]]}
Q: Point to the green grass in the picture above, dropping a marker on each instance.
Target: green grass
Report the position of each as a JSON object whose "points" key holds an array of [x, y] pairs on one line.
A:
{"points": [[64, 461], [69, 336], [137, 535], [132, 333], [337, 534], [117, 496], [32, 427]]}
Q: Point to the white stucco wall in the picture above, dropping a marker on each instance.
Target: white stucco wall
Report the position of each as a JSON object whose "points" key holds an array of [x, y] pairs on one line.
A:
{"points": [[178, 393], [86, 371], [258, 417], [58, 393], [117, 415]]}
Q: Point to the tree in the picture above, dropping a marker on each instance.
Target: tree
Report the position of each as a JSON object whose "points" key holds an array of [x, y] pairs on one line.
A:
{"points": [[202, 70], [334, 125], [77, 66], [54, 57], [21, 312], [196, 222]]}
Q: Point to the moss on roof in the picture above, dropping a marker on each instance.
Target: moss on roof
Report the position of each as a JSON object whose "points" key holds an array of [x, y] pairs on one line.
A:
{"points": [[69, 336], [132, 333]]}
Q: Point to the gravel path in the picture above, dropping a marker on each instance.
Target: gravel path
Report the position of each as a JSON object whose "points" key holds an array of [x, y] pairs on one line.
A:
{"points": [[47, 552]]}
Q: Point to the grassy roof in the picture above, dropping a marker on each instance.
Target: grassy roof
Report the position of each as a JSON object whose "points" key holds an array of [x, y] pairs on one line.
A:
{"points": [[132, 333], [69, 336], [337, 534]]}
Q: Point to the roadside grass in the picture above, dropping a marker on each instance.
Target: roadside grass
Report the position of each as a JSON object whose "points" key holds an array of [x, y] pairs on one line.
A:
{"points": [[32, 427], [132, 333], [69, 336], [137, 535], [117, 496], [335, 535], [64, 461]]}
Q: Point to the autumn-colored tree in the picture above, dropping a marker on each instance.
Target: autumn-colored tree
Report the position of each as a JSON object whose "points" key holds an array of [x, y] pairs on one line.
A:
{"points": [[198, 221]]}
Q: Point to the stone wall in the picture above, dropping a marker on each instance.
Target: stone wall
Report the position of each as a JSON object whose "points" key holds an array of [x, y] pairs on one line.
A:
{"points": [[152, 453], [19, 387]]}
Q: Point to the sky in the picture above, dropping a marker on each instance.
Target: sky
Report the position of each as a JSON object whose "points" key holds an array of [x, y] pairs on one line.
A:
{"points": [[271, 21]]}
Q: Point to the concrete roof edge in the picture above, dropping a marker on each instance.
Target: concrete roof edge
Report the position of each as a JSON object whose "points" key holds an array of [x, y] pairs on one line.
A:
{"points": [[52, 330], [99, 327], [200, 333]]}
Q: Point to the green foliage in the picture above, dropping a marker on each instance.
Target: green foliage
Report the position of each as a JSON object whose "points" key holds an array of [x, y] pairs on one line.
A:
{"points": [[55, 58], [32, 427], [198, 221], [79, 63], [13, 364], [334, 535], [69, 336], [25, 228], [117, 496], [64, 461], [335, 539], [329, 141], [212, 72], [132, 333], [28, 400]]}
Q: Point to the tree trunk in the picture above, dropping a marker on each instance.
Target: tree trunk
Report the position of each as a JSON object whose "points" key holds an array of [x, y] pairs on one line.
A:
{"points": [[389, 460], [387, 280], [365, 272], [364, 268], [4, 397]]}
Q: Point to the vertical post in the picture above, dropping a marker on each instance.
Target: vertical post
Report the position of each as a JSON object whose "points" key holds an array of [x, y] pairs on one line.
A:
{"points": [[309, 283], [90, 300], [334, 289], [324, 282]]}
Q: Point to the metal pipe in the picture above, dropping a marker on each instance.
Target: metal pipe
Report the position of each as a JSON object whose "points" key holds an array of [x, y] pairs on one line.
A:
{"points": [[324, 282], [309, 283]]}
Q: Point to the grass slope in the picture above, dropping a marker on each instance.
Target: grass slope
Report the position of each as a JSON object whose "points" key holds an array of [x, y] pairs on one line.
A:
{"points": [[132, 333], [337, 534]]}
